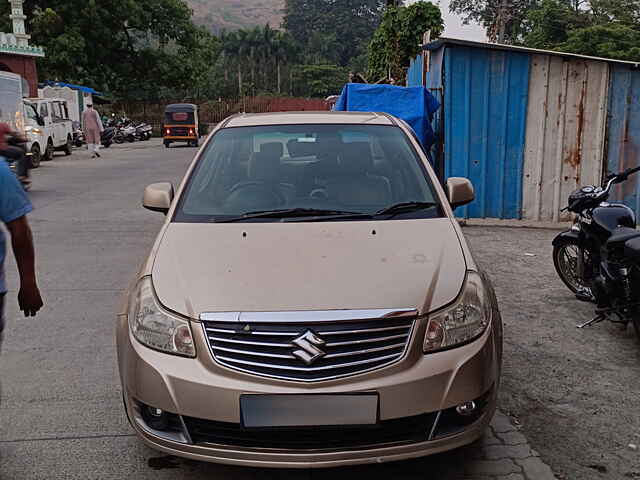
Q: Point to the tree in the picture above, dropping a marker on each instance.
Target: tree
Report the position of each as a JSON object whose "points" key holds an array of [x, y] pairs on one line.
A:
{"points": [[399, 38], [502, 19], [548, 25], [347, 24], [318, 80], [602, 28], [127, 47], [608, 41]]}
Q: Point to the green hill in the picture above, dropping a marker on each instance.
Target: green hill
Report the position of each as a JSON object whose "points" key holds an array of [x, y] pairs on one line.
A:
{"points": [[235, 14]]}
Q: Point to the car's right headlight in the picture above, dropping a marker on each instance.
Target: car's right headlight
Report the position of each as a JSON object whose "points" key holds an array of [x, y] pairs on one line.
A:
{"points": [[155, 327], [462, 322]]}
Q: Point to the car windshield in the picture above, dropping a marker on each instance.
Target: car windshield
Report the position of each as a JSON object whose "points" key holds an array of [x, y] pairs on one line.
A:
{"points": [[308, 171]]}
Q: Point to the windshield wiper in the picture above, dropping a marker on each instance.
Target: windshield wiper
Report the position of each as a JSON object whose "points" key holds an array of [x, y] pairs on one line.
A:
{"points": [[295, 212], [405, 207]]}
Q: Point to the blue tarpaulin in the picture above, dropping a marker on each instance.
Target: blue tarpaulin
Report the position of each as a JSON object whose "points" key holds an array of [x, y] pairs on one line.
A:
{"points": [[414, 105], [73, 87]]}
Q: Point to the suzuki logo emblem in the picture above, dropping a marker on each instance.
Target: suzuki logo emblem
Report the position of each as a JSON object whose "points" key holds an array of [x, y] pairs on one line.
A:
{"points": [[309, 344]]}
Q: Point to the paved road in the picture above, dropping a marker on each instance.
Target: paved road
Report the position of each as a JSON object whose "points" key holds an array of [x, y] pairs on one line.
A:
{"points": [[61, 415]]}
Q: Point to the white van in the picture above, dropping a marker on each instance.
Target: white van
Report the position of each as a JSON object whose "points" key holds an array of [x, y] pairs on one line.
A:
{"points": [[48, 127], [11, 111]]}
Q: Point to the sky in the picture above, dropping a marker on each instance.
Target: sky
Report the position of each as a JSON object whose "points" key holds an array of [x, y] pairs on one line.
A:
{"points": [[454, 27]]}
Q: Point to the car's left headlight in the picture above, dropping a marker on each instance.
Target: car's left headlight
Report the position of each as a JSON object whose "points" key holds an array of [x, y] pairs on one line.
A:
{"points": [[462, 322], [156, 328]]}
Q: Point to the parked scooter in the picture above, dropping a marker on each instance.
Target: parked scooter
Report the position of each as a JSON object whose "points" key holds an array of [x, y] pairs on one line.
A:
{"points": [[78, 135], [108, 136], [144, 131], [599, 258]]}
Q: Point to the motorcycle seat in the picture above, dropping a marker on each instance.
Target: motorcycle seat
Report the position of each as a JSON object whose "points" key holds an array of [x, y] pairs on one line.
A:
{"points": [[621, 236], [632, 248]]}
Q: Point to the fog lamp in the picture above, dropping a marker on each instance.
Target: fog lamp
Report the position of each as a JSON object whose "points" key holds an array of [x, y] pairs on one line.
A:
{"points": [[466, 409]]}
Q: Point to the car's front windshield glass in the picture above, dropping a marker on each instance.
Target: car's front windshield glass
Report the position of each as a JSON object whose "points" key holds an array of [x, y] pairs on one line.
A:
{"points": [[315, 170]]}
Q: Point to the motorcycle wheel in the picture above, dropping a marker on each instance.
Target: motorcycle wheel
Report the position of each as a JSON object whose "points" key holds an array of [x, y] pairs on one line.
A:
{"points": [[565, 259], [131, 138], [119, 140]]}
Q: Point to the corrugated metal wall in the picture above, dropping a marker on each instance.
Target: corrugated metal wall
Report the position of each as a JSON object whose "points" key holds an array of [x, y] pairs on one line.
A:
{"points": [[529, 128], [566, 123], [485, 110], [624, 131], [414, 75]]}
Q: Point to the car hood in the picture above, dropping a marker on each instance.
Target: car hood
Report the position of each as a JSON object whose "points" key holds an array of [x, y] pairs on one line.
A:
{"points": [[308, 266]]}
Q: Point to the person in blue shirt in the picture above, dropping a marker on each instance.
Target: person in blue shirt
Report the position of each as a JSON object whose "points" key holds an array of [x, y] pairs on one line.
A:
{"points": [[14, 207]]}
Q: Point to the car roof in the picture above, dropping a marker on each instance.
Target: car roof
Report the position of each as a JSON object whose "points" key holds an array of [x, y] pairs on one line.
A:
{"points": [[308, 118]]}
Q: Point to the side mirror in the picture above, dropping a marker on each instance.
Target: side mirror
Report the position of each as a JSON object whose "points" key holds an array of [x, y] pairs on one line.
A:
{"points": [[460, 191], [40, 121], [158, 197]]}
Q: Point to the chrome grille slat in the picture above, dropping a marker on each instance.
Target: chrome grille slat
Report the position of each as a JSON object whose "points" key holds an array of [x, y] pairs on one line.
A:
{"points": [[259, 354], [403, 327], [362, 352], [291, 347], [282, 334], [369, 340], [256, 344]]}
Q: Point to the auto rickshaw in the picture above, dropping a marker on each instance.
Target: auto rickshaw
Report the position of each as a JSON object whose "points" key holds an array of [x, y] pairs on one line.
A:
{"points": [[181, 124]]}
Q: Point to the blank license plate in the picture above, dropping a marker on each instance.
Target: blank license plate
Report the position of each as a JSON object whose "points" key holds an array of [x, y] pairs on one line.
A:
{"points": [[263, 411]]}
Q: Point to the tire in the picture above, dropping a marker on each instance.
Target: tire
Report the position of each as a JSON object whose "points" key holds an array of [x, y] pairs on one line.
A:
{"points": [[106, 145], [68, 148], [36, 155], [167, 144], [119, 139], [565, 259], [48, 153]]}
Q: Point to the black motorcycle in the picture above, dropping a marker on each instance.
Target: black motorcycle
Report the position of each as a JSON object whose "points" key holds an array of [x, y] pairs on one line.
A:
{"points": [[599, 258], [16, 154]]}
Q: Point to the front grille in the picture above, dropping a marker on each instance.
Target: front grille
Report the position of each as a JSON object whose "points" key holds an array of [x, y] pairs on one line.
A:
{"points": [[309, 350], [411, 429]]}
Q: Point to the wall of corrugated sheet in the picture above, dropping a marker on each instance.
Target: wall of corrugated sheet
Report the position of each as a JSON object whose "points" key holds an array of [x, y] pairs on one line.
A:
{"points": [[529, 128], [624, 132], [485, 110], [414, 75], [565, 139]]}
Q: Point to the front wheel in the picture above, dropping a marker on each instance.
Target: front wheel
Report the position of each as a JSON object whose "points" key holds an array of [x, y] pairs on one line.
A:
{"points": [[36, 156], [565, 259]]}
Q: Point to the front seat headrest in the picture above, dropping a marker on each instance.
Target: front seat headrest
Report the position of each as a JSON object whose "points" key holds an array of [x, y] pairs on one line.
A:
{"points": [[264, 167], [356, 158], [275, 149]]}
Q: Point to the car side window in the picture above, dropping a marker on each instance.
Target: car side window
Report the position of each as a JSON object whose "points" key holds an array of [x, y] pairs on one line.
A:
{"points": [[64, 110], [56, 112]]}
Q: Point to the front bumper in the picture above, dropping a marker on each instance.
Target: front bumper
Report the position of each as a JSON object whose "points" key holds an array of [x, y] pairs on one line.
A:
{"points": [[201, 389]]}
